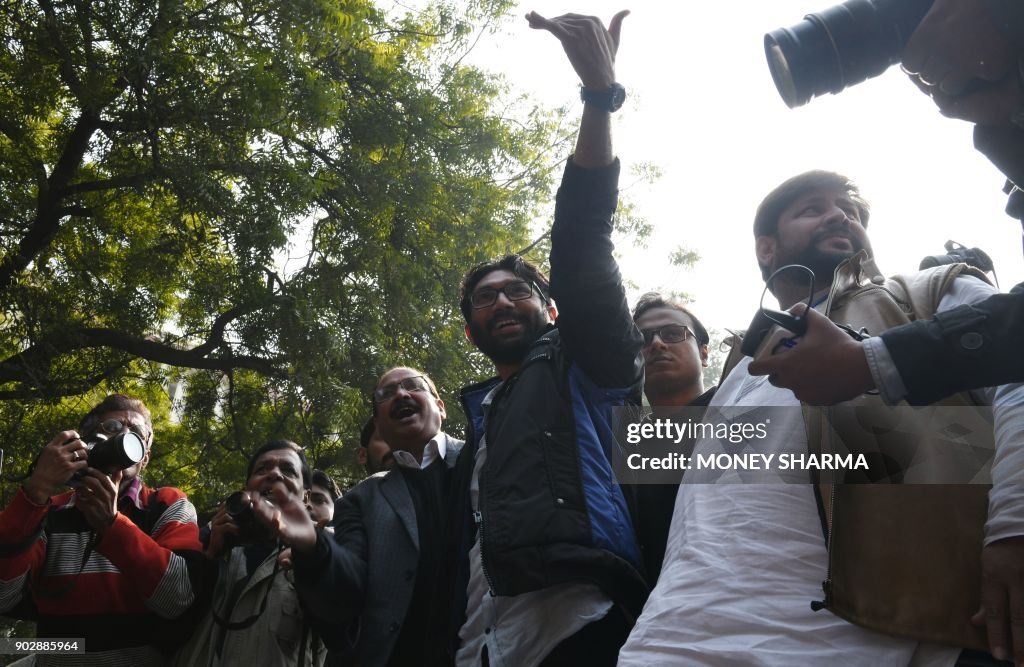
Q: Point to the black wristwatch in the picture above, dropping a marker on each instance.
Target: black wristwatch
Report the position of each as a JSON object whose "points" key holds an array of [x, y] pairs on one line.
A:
{"points": [[609, 100]]}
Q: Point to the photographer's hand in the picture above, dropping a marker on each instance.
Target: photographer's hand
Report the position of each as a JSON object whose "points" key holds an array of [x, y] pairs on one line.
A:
{"points": [[221, 526], [61, 458], [825, 367], [96, 498], [993, 105], [956, 42], [1002, 598]]}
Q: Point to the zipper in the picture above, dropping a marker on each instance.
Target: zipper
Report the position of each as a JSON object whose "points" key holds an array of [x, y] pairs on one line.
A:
{"points": [[478, 519], [826, 586]]}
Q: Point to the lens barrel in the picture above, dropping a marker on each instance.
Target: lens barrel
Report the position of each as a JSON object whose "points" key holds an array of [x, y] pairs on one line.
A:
{"points": [[116, 453], [840, 47]]}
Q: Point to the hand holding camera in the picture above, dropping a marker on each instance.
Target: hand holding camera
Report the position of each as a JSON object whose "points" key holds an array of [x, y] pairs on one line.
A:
{"points": [[958, 42], [248, 517], [826, 367], [60, 459]]}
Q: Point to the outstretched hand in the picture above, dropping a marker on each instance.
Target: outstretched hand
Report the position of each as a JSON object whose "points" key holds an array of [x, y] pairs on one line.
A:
{"points": [[287, 518], [825, 367], [591, 48]]}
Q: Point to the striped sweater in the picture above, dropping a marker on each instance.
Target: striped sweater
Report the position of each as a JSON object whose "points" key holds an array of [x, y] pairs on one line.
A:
{"points": [[136, 578]]}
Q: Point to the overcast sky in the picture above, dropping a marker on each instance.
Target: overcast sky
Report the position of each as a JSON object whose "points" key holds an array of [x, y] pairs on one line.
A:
{"points": [[703, 108]]}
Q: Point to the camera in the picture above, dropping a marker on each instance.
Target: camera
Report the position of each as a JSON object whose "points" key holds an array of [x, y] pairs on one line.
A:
{"points": [[956, 253], [840, 46], [250, 529], [765, 328], [108, 455]]}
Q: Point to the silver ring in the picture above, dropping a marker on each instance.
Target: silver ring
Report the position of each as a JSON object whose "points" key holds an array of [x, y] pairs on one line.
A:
{"points": [[75, 454]]}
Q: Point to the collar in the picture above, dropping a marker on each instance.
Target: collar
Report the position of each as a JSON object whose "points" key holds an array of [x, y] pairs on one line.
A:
{"points": [[132, 494], [436, 448]]}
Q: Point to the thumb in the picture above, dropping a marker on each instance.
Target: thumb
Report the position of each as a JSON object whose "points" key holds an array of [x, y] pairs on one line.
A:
{"points": [[766, 365], [799, 309], [615, 26]]}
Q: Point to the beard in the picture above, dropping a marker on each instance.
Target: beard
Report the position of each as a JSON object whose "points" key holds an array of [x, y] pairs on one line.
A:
{"points": [[821, 261], [509, 350]]}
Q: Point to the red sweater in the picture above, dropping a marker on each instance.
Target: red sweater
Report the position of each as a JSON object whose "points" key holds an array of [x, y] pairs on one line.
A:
{"points": [[140, 572]]}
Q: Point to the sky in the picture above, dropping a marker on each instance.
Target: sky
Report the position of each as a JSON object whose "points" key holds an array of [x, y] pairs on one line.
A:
{"points": [[702, 107]]}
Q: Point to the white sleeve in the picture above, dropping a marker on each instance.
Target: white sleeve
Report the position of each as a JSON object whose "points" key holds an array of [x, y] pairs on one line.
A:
{"points": [[1006, 499]]}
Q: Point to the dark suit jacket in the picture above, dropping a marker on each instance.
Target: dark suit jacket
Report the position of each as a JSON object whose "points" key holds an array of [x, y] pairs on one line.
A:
{"points": [[357, 585]]}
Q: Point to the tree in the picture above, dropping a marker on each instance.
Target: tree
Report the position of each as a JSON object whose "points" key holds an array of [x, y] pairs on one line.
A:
{"points": [[155, 160]]}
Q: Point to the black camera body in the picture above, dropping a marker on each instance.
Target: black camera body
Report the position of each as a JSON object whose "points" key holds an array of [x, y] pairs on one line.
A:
{"points": [[956, 253], [108, 455], [841, 46], [250, 529]]}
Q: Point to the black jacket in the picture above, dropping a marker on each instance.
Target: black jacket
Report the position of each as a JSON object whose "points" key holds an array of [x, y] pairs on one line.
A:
{"points": [[551, 511]]}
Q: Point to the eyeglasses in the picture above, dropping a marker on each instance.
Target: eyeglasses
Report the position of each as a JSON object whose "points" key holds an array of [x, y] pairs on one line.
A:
{"points": [[115, 426], [388, 391], [795, 323], [518, 290], [670, 333]]}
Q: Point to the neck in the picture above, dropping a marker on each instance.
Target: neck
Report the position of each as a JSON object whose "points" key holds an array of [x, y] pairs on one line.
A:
{"points": [[790, 294], [663, 405], [505, 371], [415, 450]]}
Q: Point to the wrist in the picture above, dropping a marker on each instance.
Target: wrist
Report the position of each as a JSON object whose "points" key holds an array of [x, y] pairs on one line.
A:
{"points": [[608, 97], [36, 493], [105, 525]]}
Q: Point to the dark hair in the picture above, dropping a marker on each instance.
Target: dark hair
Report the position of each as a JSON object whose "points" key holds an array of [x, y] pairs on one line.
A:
{"points": [[766, 220], [430, 383], [653, 300], [514, 263], [322, 479], [280, 444], [115, 403], [366, 432]]}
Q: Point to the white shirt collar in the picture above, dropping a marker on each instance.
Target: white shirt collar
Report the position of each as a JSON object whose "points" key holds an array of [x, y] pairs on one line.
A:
{"points": [[436, 448]]}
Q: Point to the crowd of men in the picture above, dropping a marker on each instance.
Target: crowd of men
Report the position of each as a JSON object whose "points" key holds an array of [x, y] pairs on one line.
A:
{"points": [[519, 545]]}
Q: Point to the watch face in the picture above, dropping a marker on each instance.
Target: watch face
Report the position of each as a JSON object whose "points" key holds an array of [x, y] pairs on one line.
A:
{"points": [[609, 100], [618, 97]]}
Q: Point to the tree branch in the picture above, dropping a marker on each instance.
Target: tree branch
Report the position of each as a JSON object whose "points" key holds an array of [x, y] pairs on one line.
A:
{"points": [[112, 183]]}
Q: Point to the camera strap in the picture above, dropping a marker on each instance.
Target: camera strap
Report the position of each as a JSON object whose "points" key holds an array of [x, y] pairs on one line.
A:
{"points": [[247, 622], [61, 590]]}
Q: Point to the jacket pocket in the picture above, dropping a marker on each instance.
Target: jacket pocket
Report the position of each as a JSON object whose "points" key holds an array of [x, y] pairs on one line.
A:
{"points": [[561, 464]]}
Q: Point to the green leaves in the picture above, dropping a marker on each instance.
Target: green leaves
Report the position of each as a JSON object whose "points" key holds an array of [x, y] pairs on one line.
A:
{"points": [[245, 212]]}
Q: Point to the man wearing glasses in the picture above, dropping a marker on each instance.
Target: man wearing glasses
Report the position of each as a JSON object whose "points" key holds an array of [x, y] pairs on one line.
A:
{"points": [[374, 589], [553, 573], [111, 560], [675, 355]]}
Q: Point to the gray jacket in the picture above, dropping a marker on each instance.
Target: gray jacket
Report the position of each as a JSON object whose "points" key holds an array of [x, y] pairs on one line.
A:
{"points": [[279, 637], [358, 584]]}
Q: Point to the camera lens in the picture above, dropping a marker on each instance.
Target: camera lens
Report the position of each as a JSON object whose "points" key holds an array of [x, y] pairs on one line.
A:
{"points": [[840, 46], [117, 453]]}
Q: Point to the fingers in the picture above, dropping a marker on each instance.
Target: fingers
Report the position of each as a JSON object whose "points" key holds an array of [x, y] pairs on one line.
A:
{"points": [[994, 614], [1016, 618], [615, 27], [766, 366], [555, 27]]}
